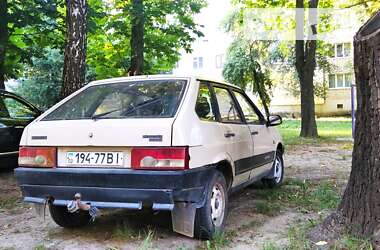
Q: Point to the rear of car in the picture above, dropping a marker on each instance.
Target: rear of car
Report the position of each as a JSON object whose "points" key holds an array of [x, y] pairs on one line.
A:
{"points": [[111, 142]]}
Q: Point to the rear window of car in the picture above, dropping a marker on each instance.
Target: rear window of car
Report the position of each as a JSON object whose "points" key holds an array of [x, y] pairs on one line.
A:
{"points": [[132, 99]]}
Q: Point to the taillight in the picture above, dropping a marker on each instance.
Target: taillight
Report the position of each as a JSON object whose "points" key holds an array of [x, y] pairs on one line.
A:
{"points": [[44, 157], [160, 158]]}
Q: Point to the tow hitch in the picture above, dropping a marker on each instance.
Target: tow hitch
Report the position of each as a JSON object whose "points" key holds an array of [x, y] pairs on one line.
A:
{"points": [[76, 205]]}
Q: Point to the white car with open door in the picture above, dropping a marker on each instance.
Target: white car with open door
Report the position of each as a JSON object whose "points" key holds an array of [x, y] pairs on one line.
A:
{"points": [[181, 144]]}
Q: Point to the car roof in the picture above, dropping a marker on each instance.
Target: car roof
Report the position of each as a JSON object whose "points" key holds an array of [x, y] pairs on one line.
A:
{"points": [[157, 77]]}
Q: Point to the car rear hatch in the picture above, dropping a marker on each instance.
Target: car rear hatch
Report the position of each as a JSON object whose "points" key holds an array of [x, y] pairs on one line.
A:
{"points": [[108, 121], [101, 136]]}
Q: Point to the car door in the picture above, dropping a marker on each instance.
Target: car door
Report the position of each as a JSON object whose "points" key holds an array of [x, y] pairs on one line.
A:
{"points": [[237, 137], [6, 147], [263, 143], [20, 114]]}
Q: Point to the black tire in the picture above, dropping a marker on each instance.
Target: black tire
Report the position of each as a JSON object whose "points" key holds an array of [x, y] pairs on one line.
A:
{"points": [[276, 181], [205, 227], [63, 218]]}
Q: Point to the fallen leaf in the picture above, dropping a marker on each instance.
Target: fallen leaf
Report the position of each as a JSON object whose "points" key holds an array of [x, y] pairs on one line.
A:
{"points": [[321, 243]]}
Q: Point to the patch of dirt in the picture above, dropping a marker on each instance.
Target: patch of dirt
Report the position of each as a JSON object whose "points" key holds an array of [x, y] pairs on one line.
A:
{"points": [[22, 228]]}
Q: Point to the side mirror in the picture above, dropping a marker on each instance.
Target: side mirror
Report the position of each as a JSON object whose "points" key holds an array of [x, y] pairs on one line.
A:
{"points": [[274, 120]]}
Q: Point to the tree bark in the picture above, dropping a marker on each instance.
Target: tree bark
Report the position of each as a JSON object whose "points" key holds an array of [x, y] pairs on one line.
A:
{"points": [[74, 69], [359, 210], [360, 205], [137, 38], [305, 66], [3, 39]]}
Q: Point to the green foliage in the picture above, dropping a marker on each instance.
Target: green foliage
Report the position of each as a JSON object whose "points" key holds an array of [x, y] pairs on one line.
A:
{"points": [[244, 69], [32, 25], [42, 80], [169, 27]]}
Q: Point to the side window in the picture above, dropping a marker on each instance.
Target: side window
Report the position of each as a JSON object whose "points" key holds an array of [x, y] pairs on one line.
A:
{"points": [[3, 110], [203, 105], [248, 111], [227, 107], [18, 109]]}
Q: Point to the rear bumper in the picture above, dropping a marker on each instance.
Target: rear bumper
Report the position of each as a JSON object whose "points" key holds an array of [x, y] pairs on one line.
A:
{"points": [[114, 188]]}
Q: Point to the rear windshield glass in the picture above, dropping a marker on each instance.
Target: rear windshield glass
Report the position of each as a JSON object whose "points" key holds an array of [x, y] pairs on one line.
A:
{"points": [[135, 99]]}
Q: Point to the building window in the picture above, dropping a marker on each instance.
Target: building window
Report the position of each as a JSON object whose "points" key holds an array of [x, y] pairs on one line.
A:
{"points": [[348, 80], [339, 50], [347, 49], [219, 61], [340, 80], [342, 49], [331, 81], [198, 62]]}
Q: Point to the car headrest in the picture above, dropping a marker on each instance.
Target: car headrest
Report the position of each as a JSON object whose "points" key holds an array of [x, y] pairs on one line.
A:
{"points": [[202, 108]]}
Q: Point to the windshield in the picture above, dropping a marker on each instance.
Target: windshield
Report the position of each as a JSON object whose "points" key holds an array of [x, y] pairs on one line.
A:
{"points": [[135, 99]]}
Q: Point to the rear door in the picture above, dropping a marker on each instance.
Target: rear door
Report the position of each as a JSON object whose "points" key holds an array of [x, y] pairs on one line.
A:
{"points": [[263, 143], [237, 137], [6, 140]]}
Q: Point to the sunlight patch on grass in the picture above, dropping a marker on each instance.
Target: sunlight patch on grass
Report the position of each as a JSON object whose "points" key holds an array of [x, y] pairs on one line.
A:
{"points": [[328, 130]]}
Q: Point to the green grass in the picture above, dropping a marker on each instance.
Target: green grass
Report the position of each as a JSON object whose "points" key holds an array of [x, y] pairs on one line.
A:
{"points": [[297, 235], [147, 243], [125, 231], [328, 130], [352, 243], [305, 196], [267, 208], [219, 241], [39, 247], [9, 202], [298, 239], [270, 246]]}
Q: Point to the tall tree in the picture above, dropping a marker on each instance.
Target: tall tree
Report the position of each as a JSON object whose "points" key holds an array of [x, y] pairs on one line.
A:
{"points": [[74, 69], [137, 37], [359, 211], [305, 66], [168, 27], [3, 39]]}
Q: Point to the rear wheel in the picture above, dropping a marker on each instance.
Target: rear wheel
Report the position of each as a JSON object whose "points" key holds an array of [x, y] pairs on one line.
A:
{"points": [[278, 172], [63, 218], [210, 218]]}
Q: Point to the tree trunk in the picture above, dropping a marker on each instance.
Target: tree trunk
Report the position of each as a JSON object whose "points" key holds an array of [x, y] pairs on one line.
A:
{"points": [[361, 200], [305, 66], [74, 69], [359, 210], [3, 40], [137, 39]]}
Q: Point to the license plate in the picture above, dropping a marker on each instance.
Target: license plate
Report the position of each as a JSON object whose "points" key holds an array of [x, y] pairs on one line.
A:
{"points": [[95, 158]]}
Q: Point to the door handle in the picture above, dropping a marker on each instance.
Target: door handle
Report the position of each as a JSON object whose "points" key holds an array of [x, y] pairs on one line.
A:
{"points": [[254, 133], [228, 135]]}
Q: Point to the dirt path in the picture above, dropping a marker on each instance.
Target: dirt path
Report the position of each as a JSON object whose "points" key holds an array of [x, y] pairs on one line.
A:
{"points": [[21, 228]]}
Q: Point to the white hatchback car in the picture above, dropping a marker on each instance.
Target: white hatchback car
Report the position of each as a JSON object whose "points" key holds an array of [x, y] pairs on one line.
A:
{"points": [[167, 143]]}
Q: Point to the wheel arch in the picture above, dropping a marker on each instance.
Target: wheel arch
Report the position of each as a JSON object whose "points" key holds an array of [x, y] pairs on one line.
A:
{"points": [[280, 147], [226, 169]]}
